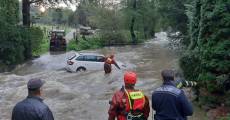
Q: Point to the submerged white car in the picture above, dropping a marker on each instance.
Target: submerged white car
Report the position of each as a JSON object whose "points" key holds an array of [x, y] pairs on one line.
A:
{"points": [[87, 61]]}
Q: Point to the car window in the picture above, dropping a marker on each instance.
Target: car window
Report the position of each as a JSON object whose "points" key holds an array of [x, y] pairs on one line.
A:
{"points": [[81, 58], [73, 56], [91, 58], [100, 59]]}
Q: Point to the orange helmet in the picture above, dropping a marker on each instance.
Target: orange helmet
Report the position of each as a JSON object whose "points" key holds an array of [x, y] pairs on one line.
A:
{"points": [[130, 78]]}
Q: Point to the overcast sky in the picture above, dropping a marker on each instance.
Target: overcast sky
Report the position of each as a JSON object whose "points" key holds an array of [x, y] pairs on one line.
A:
{"points": [[73, 6]]}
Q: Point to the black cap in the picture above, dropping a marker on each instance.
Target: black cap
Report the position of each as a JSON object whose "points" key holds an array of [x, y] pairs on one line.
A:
{"points": [[35, 83]]}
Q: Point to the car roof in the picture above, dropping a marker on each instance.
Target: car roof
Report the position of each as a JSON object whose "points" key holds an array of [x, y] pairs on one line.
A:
{"points": [[96, 54]]}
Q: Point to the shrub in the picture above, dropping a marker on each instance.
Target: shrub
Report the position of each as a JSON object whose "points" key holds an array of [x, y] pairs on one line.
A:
{"points": [[113, 38], [90, 43], [11, 47], [208, 57], [38, 42], [190, 64]]}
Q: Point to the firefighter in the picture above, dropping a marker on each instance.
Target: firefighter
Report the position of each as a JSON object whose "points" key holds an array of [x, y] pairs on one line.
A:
{"points": [[129, 103], [108, 64]]}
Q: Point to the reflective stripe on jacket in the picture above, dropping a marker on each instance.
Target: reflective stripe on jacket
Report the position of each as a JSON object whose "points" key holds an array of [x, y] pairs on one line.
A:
{"points": [[136, 100], [118, 106]]}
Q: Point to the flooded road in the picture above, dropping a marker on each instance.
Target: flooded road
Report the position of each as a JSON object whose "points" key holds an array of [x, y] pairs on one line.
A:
{"points": [[86, 95]]}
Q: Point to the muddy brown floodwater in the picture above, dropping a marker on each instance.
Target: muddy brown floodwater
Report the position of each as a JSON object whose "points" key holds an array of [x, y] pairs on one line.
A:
{"points": [[86, 95]]}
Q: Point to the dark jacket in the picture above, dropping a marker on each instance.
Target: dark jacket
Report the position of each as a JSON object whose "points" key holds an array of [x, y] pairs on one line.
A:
{"points": [[170, 103], [32, 108]]}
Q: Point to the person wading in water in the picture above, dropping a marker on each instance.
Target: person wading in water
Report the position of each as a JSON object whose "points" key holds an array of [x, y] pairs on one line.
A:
{"points": [[108, 64]]}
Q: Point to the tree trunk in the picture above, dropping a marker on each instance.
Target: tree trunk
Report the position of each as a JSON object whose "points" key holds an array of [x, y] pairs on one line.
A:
{"points": [[145, 27], [26, 12], [134, 38]]}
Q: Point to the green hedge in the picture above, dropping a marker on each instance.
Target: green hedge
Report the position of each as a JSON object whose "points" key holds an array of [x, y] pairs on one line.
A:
{"points": [[90, 43], [11, 47], [18, 43], [208, 58]]}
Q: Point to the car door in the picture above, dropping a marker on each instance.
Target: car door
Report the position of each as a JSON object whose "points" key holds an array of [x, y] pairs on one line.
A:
{"points": [[80, 62], [91, 62], [100, 62]]}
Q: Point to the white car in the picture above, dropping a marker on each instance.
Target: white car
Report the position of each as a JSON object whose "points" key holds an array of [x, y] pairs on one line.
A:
{"points": [[85, 61]]}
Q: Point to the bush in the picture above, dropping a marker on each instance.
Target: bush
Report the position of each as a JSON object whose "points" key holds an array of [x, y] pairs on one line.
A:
{"points": [[39, 43], [114, 38], [11, 47], [190, 64], [34, 41], [90, 43], [18, 43], [207, 60]]}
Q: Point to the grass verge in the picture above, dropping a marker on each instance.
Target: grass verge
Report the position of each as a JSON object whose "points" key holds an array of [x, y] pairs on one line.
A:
{"points": [[44, 47]]}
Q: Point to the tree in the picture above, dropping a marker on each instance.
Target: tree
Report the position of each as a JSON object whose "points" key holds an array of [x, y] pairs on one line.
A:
{"points": [[11, 43], [26, 7], [134, 7], [9, 11], [207, 58], [172, 14], [140, 17]]}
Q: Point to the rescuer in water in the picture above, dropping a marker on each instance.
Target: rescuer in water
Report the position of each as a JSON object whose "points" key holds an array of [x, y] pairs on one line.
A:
{"points": [[108, 64]]}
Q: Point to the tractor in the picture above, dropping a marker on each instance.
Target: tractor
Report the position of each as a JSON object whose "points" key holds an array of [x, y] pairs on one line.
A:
{"points": [[57, 40]]}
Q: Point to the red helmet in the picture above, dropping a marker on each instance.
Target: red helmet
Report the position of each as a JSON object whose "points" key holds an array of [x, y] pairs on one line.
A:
{"points": [[130, 78]]}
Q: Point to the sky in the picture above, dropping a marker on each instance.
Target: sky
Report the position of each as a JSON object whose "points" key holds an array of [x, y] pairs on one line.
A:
{"points": [[73, 6]]}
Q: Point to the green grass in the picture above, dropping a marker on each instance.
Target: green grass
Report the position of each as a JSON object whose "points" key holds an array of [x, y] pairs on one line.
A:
{"points": [[44, 48]]}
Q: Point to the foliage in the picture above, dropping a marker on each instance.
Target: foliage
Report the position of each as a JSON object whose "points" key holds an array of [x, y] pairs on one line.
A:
{"points": [[51, 16], [172, 17], [91, 43], [9, 11], [11, 45], [172, 14], [189, 63], [209, 29], [17, 43], [114, 38], [140, 17], [39, 42]]}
